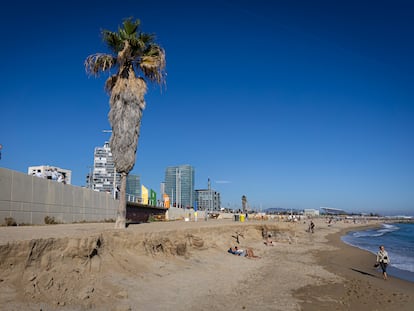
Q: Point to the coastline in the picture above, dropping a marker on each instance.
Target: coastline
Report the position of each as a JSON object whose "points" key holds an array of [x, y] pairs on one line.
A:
{"points": [[391, 270], [363, 287]]}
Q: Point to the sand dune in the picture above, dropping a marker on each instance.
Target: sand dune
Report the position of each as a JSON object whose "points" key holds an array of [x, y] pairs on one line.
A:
{"points": [[174, 266]]}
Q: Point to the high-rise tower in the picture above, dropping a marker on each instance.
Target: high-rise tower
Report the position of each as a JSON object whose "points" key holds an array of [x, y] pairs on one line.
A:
{"points": [[104, 176], [179, 185], [133, 188]]}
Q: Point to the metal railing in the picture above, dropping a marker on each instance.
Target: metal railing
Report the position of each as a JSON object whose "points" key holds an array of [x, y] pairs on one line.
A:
{"points": [[133, 198]]}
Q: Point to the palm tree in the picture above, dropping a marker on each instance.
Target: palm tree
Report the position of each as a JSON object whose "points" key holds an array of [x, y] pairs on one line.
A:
{"points": [[244, 202], [137, 59]]}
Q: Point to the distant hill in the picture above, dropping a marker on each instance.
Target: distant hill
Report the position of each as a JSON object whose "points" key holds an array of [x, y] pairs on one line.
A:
{"points": [[280, 210]]}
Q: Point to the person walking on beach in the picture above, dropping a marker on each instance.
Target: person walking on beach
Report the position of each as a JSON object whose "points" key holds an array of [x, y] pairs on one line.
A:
{"points": [[311, 227], [383, 260]]}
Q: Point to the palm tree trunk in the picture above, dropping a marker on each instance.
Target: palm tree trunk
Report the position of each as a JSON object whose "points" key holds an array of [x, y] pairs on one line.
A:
{"points": [[244, 200], [121, 215]]}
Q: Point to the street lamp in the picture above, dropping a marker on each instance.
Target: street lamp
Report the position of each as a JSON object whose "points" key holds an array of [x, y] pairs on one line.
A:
{"points": [[90, 177], [178, 186]]}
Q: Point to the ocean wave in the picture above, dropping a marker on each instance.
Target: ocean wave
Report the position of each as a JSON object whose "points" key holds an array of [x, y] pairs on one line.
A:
{"points": [[391, 227], [367, 234], [400, 258], [404, 266], [386, 228]]}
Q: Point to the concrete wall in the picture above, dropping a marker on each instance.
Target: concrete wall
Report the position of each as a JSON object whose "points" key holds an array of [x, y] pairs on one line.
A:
{"points": [[175, 213], [29, 199]]}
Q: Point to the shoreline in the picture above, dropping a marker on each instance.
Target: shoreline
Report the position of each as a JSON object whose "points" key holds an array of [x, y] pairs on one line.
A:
{"points": [[391, 271], [363, 287]]}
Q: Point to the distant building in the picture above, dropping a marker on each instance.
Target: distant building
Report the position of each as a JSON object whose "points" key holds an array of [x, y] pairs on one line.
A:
{"points": [[333, 211], [208, 199], [133, 188], [310, 212], [46, 172], [162, 187], [104, 177], [179, 185]]}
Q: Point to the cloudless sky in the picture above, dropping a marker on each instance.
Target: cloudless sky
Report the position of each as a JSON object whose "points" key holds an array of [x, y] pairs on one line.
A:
{"points": [[295, 104]]}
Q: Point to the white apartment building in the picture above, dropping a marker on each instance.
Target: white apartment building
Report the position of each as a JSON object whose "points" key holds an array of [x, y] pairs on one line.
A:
{"points": [[104, 177], [311, 212], [45, 171]]}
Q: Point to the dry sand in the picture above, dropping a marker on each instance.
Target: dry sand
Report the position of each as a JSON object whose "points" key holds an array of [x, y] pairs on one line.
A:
{"points": [[185, 266]]}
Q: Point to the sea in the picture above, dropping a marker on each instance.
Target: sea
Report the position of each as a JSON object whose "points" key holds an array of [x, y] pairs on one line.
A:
{"points": [[398, 239]]}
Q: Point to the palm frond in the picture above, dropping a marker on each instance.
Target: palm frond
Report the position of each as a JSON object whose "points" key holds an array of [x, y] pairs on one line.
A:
{"points": [[129, 30], [131, 26], [153, 64], [138, 47], [96, 63], [146, 38], [131, 46], [141, 43], [113, 40]]}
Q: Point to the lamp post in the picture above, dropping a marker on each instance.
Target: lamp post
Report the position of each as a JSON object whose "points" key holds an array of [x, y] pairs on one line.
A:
{"points": [[210, 196], [178, 186], [90, 178], [114, 185]]}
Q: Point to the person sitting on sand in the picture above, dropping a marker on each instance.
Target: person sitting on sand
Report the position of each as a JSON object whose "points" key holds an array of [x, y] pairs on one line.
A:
{"points": [[231, 250], [243, 253], [239, 252], [235, 251], [269, 241]]}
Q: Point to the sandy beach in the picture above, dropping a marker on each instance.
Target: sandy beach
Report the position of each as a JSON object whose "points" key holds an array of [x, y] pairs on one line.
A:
{"points": [[362, 286], [185, 266]]}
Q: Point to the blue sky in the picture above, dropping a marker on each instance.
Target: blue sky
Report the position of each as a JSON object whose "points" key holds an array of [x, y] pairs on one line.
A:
{"points": [[295, 104]]}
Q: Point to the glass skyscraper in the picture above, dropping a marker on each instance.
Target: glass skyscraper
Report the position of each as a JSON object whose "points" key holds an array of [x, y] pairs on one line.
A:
{"points": [[133, 187], [179, 185]]}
